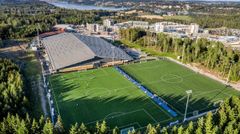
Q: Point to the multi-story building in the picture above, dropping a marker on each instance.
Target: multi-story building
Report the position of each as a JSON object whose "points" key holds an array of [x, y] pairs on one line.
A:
{"points": [[139, 24], [175, 27], [108, 22], [93, 27]]}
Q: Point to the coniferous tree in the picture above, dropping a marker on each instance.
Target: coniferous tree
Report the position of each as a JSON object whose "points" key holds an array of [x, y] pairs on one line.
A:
{"points": [[35, 127], [180, 130], [48, 127], [164, 130], [83, 129], [174, 130], [208, 124], [115, 130], [200, 124], [103, 127], [74, 129], [59, 128], [190, 128], [97, 127]]}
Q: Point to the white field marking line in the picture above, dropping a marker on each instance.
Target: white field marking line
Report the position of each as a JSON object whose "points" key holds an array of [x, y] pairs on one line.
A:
{"points": [[201, 104], [150, 116], [171, 106], [78, 76], [197, 94], [167, 120], [203, 93], [138, 124], [203, 109], [104, 71], [119, 115], [226, 94], [91, 77], [146, 68], [178, 75], [124, 113], [130, 124], [171, 81], [109, 90], [112, 114], [207, 92], [159, 107], [162, 80], [143, 108], [157, 81], [71, 79], [68, 83], [54, 97], [183, 106], [104, 91], [76, 79], [216, 90], [212, 99]]}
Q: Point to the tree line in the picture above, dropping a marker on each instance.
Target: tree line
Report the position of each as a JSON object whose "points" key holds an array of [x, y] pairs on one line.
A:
{"points": [[22, 20], [211, 20], [12, 96], [226, 120], [210, 54], [15, 119]]}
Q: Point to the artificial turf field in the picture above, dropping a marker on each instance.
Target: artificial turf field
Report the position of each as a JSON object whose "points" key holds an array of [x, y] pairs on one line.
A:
{"points": [[103, 94], [170, 81]]}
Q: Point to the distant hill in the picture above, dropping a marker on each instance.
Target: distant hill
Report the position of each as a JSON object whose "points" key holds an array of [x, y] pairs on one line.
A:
{"points": [[11, 1], [141, 0]]}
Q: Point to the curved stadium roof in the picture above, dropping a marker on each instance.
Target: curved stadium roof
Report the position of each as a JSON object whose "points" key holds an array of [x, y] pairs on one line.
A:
{"points": [[67, 49]]}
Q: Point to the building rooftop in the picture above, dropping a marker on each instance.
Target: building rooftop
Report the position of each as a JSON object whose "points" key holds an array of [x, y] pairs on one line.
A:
{"points": [[67, 49]]}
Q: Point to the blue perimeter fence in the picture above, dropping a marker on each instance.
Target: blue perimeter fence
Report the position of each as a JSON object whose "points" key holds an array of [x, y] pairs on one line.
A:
{"points": [[154, 97]]}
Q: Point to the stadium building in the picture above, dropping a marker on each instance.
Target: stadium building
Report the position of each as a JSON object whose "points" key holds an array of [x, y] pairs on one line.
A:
{"points": [[72, 51]]}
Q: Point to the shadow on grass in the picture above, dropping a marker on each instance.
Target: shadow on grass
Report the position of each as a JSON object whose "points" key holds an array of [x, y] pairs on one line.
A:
{"points": [[118, 108]]}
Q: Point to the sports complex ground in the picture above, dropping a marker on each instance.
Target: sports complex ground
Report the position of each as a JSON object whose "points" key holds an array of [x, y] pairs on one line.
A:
{"points": [[105, 94]]}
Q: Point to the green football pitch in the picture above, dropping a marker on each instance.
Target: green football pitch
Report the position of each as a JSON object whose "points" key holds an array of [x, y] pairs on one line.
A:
{"points": [[170, 81], [103, 94]]}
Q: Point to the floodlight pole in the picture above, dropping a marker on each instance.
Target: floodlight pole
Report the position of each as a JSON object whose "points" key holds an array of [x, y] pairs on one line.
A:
{"points": [[185, 115]]}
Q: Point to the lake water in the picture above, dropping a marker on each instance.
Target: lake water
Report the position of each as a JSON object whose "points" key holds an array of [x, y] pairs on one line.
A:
{"points": [[84, 7]]}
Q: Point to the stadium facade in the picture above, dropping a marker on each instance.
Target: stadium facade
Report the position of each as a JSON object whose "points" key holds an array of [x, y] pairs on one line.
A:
{"points": [[73, 51]]}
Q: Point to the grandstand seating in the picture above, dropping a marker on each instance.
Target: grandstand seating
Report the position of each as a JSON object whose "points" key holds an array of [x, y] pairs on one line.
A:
{"points": [[154, 97]]}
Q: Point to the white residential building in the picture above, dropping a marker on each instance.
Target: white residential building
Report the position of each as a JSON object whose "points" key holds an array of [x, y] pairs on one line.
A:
{"points": [[93, 27], [175, 27], [139, 24], [108, 23]]}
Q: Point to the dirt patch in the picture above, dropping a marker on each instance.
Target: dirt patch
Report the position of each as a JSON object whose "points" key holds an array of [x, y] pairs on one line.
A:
{"points": [[151, 17], [16, 51]]}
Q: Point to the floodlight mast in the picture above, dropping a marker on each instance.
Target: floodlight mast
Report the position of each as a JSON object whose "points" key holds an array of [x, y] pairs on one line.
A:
{"points": [[188, 93]]}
